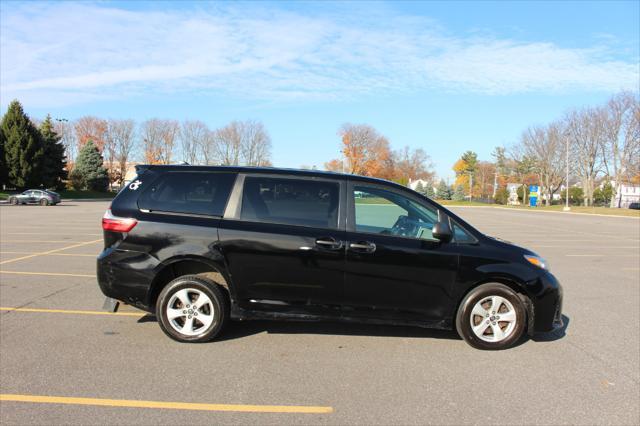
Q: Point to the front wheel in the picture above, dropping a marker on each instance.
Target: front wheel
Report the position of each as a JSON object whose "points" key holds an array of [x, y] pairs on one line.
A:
{"points": [[44, 202], [13, 201], [492, 316], [192, 309]]}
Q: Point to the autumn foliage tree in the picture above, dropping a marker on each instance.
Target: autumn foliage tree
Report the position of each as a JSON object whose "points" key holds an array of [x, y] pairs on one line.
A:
{"points": [[90, 128], [368, 153]]}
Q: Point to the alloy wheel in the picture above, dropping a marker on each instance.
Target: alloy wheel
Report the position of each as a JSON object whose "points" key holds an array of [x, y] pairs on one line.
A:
{"points": [[493, 319], [190, 311]]}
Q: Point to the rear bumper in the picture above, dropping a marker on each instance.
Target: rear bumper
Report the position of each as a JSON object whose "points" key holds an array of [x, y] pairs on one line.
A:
{"points": [[126, 276]]}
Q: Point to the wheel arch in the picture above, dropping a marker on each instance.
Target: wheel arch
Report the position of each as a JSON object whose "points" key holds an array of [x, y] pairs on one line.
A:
{"points": [[179, 266]]}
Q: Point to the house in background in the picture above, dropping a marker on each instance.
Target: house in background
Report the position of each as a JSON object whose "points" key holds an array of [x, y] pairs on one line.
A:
{"points": [[627, 194]]}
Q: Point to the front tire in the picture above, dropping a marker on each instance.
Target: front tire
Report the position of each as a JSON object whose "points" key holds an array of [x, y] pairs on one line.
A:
{"points": [[491, 317], [44, 202], [192, 309], [13, 201]]}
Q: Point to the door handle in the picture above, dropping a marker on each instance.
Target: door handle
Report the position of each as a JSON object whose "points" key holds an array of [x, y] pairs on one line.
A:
{"points": [[329, 243], [363, 246]]}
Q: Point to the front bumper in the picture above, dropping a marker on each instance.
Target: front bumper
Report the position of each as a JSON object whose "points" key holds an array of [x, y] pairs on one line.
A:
{"points": [[547, 304]]}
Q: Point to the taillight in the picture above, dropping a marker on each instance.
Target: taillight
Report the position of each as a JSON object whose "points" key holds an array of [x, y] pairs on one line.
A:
{"points": [[117, 224]]}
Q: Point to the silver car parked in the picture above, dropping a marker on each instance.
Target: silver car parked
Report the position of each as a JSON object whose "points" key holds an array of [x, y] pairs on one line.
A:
{"points": [[35, 196]]}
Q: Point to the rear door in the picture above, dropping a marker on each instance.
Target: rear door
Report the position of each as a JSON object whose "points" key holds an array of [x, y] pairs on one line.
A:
{"points": [[283, 242], [395, 269]]}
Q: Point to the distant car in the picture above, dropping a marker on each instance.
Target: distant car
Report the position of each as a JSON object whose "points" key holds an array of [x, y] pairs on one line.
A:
{"points": [[634, 206], [36, 196]]}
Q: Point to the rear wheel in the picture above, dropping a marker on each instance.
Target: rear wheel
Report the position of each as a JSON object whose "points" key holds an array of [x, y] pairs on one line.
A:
{"points": [[44, 202], [492, 316], [192, 309]]}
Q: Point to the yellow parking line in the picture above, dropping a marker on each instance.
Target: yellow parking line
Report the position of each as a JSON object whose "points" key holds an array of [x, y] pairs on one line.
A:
{"points": [[43, 233], [50, 251], [35, 241], [47, 273], [298, 409], [51, 254], [71, 311]]}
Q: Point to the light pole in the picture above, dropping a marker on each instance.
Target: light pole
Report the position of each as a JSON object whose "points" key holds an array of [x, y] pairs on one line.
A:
{"points": [[566, 206]]}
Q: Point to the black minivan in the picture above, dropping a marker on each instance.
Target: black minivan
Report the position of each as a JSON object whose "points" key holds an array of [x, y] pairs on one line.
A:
{"points": [[200, 245]]}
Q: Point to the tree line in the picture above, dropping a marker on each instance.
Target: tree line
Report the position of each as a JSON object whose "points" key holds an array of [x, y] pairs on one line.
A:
{"points": [[44, 154], [603, 145]]}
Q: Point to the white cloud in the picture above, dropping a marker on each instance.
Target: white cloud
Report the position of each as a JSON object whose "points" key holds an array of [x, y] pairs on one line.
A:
{"points": [[70, 52]]}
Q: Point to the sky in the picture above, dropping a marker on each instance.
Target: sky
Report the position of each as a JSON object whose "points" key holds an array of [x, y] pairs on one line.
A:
{"points": [[442, 76]]}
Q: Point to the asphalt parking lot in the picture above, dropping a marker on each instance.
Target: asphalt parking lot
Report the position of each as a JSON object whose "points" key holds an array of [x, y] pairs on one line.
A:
{"points": [[63, 361]]}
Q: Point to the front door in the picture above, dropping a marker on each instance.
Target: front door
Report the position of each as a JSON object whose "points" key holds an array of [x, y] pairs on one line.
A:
{"points": [[395, 269], [285, 247]]}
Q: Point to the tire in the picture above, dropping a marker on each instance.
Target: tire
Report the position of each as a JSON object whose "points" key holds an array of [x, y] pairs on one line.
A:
{"points": [[13, 201], [44, 202], [493, 330], [192, 325]]}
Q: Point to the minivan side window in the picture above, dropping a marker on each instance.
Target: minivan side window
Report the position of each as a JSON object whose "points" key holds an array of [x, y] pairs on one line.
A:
{"points": [[202, 193], [379, 211], [303, 202]]}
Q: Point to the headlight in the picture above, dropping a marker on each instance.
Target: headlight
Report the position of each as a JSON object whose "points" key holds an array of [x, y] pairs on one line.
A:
{"points": [[537, 261]]}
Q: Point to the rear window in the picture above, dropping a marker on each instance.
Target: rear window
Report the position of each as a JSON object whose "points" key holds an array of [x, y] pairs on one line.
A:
{"points": [[292, 202], [188, 192]]}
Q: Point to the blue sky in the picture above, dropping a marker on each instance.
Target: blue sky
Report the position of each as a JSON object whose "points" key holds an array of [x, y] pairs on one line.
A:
{"points": [[445, 77]]}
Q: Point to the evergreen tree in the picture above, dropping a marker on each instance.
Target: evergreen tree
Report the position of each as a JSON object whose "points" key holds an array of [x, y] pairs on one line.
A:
{"points": [[88, 172], [444, 193], [3, 163], [429, 192], [54, 159], [23, 150], [458, 195], [420, 188]]}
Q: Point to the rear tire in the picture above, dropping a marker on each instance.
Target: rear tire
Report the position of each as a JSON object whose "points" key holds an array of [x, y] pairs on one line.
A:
{"points": [[491, 317], [44, 202], [192, 309]]}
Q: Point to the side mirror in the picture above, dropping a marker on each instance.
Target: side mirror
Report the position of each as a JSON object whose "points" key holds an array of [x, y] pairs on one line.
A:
{"points": [[442, 230]]}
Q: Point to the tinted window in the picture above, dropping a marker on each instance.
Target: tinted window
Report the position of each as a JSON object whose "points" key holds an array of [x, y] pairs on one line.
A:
{"points": [[385, 212], [289, 201], [188, 192]]}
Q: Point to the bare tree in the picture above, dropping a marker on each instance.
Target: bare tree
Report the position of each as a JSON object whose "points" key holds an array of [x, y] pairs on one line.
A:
{"points": [[193, 137], [544, 144], [621, 145], [485, 174], [65, 130], [119, 144], [228, 141], [208, 149], [158, 138], [586, 132], [242, 142], [411, 164], [256, 144]]}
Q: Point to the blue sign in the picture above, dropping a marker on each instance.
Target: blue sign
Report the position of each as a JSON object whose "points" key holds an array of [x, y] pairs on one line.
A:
{"points": [[533, 195]]}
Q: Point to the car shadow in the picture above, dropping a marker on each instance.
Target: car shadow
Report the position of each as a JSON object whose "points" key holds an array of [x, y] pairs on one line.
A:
{"points": [[239, 329], [555, 334]]}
